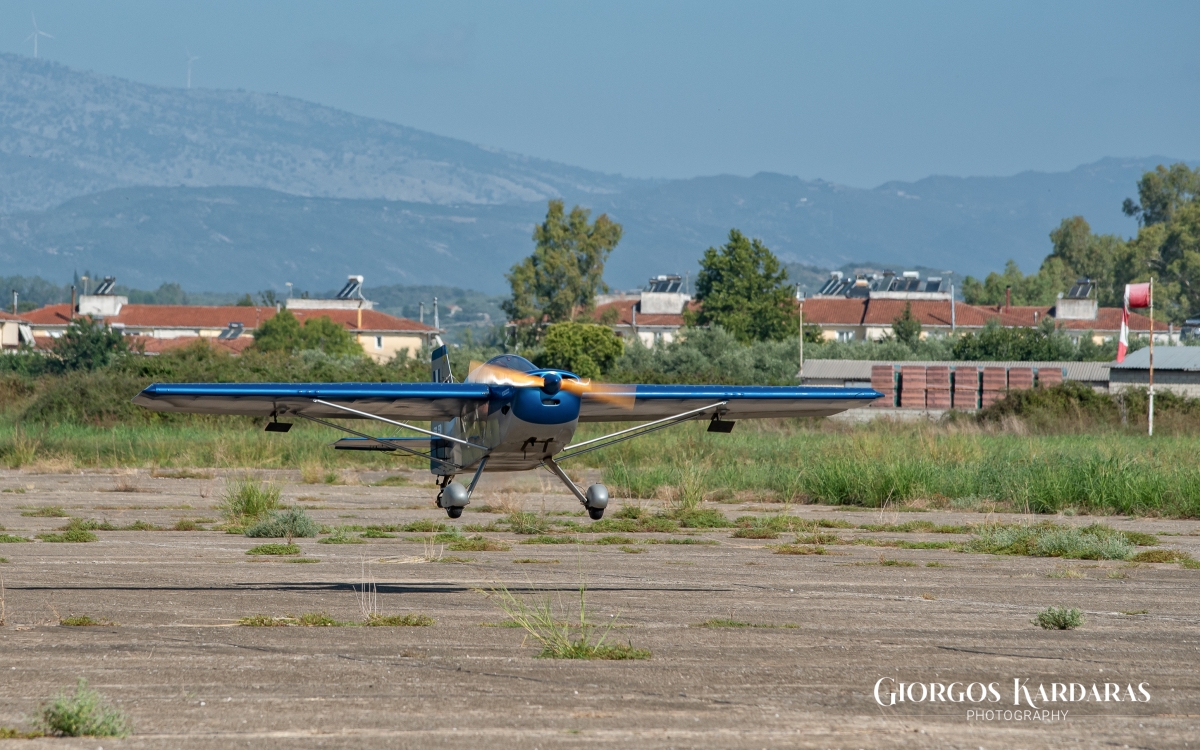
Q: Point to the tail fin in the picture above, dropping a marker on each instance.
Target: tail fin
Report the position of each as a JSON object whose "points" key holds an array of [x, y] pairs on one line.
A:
{"points": [[440, 365]]}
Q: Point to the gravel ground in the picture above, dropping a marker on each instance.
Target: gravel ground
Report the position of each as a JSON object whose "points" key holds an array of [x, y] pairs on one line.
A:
{"points": [[189, 676]]}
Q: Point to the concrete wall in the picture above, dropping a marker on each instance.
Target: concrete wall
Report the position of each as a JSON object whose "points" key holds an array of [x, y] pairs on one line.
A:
{"points": [[1180, 382]]}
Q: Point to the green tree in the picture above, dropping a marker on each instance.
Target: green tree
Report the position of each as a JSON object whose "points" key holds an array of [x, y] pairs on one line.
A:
{"points": [[565, 272], [743, 288], [584, 349], [1034, 289], [1162, 192], [245, 301], [88, 344], [283, 333], [995, 342], [906, 327]]}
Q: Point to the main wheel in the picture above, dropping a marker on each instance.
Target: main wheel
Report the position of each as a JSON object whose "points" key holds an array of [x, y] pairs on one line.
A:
{"points": [[596, 513], [456, 511]]}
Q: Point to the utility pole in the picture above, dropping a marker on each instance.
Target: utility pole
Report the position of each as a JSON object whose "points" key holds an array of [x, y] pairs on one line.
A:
{"points": [[800, 300], [421, 308], [1151, 418]]}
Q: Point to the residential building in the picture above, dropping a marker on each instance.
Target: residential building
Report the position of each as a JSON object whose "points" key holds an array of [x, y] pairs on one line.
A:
{"points": [[14, 331], [158, 328], [653, 314], [863, 309]]}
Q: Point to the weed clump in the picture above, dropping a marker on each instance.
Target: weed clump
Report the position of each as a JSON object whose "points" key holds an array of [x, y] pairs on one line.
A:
{"points": [[550, 539], [247, 500], [377, 534], [186, 524], [274, 549], [71, 535], [11, 539], [752, 532], [1059, 618], [1094, 542], [341, 535], [47, 511], [82, 621], [391, 621], [560, 639], [798, 549], [522, 522], [477, 543], [424, 525], [1160, 556], [83, 713], [729, 622], [286, 524]]}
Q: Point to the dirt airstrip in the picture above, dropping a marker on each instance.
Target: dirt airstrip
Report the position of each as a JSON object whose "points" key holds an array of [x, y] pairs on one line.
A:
{"points": [[189, 676]]}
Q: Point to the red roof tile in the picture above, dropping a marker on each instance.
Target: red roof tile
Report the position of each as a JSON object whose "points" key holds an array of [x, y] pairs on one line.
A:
{"points": [[835, 311], [151, 345], [624, 308], [212, 317], [10, 316]]}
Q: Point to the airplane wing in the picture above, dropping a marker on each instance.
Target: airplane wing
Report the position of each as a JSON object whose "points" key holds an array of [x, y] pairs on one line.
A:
{"points": [[418, 401], [744, 401]]}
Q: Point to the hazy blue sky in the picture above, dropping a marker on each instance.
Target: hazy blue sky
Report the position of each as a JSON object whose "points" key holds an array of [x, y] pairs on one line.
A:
{"points": [[858, 93]]}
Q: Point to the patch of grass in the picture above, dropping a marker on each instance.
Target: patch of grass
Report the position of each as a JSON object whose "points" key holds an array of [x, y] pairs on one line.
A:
{"points": [[319, 620], [46, 511], [395, 480], [393, 621], [14, 490], [1135, 611], [725, 622], [477, 543], [819, 537], [454, 559], [377, 534], [187, 524], [683, 540], [798, 549], [521, 522], [1159, 556], [491, 527], [926, 527], [535, 561], [1066, 573], [928, 597], [11, 539], [550, 539], [274, 549], [247, 500], [1140, 539], [4, 561], [12, 733], [284, 524], [1190, 564], [140, 526], [424, 525], [889, 563], [180, 474], [72, 536], [755, 533], [563, 640], [631, 550], [87, 524], [695, 518], [834, 523], [612, 539], [1046, 539], [82, 621], [1059, 618], [641, 525], [302, 560], [266, 621], [83, 713], [341, 535], [936, 564]]}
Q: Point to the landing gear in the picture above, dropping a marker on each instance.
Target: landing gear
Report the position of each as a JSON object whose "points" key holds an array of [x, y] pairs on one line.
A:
{"points": [[454, 497], [596, 498]]}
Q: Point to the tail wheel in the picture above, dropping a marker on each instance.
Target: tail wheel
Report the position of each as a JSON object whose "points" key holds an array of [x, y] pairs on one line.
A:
{"points": [[456, 511], [596, 513]]}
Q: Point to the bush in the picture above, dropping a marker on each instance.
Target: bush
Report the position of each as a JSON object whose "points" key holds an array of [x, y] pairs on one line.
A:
{"points": [[82, 714], [1045, 539], [274, 549], [1059, 618], [286, 524], [584, 349]]}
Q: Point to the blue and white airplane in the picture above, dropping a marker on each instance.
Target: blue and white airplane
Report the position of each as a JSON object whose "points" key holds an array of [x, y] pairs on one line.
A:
{"points": [[508, 415]]}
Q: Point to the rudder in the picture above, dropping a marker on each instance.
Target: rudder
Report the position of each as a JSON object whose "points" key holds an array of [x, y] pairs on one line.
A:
{"points": [[440, 366]]}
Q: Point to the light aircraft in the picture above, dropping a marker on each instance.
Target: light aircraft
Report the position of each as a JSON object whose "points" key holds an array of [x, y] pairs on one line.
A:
{"points": [[508, 415]]}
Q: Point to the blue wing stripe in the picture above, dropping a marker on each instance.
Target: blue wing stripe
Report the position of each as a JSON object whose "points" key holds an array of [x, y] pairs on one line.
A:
{"points": [[766, 392], [327, 391]]}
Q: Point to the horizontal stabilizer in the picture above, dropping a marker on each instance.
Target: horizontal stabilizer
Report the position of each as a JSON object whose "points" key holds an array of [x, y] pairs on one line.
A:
{"points": [[381, 444]]}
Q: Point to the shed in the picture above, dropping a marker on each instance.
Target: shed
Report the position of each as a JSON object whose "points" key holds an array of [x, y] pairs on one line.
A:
{"points": [[1176, 368]]}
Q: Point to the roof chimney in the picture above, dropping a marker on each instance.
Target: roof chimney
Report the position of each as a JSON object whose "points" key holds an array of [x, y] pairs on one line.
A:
{"points": [[1007, 298]]}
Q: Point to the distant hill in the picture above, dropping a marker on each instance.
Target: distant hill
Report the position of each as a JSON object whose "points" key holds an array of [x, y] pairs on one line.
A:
{"points": [[231, 191]]}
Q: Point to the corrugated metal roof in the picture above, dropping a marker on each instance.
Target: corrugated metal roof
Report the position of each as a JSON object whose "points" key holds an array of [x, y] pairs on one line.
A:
{"points": [[860, 369], [1165, 358]]}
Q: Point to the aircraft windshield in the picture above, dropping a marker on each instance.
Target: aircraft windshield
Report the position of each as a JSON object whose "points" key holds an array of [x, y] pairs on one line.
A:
{"points": [[513, 362]]}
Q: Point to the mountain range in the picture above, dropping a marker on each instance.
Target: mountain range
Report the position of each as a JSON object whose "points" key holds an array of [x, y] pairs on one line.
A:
{"points": [[233, 190]]}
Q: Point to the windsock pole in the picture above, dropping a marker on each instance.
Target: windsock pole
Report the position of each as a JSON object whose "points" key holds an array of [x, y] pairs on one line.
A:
{"points": [[1151, 419]]}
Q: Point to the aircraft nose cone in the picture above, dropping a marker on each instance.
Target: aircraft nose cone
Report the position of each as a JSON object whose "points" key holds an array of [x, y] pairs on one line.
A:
{"points": [[551, 383]]}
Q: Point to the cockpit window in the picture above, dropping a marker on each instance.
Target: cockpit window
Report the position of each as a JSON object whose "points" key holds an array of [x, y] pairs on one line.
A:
{"points": [[513, 362]]}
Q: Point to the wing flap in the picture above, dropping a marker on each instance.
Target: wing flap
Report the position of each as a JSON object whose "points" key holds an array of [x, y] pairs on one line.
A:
{"points": [[382, 444]]}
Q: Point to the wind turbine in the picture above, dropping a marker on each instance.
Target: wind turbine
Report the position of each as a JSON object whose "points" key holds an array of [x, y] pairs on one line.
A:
{"points": [[36, 33], [191, 59]]}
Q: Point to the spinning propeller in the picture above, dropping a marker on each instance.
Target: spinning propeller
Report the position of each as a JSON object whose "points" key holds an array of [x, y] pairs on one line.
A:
{"points": [[551, 383]]}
